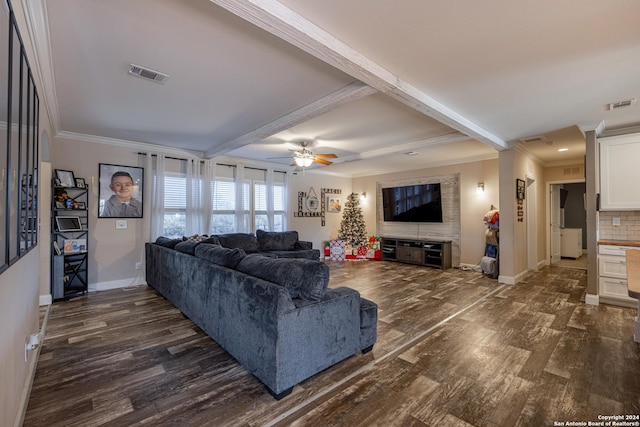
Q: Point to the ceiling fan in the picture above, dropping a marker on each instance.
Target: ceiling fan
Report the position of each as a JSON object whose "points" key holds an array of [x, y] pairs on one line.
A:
{"points": [[305, 157]]}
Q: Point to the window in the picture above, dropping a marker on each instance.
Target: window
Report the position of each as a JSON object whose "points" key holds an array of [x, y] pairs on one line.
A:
{"points": [[175, 205], [260, 215], [19, 158], [180, 208], [223, 214]]}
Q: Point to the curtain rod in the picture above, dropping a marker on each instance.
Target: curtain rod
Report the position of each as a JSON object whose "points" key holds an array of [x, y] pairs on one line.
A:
{"points": [[202, 161]]}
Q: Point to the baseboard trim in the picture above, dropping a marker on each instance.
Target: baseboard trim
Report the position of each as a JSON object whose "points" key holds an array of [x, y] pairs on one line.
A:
{"points": [[592, 299], [512, 280], [116, 284], [507, 280], [45, 300]]}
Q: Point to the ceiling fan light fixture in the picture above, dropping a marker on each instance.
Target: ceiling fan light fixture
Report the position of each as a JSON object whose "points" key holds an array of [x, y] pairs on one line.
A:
{"points": [[303, 161]]}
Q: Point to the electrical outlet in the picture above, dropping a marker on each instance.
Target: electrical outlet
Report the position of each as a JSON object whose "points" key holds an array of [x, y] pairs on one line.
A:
{"points": [[138, 265], [616, 221]]}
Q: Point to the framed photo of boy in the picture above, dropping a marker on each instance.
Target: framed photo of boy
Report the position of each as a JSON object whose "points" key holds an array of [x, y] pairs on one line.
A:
{"points": [[120, 191]]}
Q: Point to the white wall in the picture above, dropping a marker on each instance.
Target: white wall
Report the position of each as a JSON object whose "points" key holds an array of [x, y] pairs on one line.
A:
{"points": [[19, 319], [514, 165]]}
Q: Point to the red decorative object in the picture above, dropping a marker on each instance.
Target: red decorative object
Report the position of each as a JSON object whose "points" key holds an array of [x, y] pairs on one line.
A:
{"points": [[362, 251]]}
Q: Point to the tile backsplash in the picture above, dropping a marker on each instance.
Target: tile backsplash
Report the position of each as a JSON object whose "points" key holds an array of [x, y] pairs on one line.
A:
{"points": [[629, 228]]}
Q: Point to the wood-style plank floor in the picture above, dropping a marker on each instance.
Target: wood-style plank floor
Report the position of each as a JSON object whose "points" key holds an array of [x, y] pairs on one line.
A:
{"points": [[454, 349]]}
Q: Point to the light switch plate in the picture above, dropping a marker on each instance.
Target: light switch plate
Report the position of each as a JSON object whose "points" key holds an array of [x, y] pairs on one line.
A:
{"points": [[121, 224]]}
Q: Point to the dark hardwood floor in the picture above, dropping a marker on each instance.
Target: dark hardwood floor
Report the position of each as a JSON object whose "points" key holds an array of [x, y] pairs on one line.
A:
{"points": [[454, 349]]}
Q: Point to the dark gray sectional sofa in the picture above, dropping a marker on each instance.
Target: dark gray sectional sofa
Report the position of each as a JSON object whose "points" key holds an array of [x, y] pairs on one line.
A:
{"points": [[276, 316], [284, 244]]}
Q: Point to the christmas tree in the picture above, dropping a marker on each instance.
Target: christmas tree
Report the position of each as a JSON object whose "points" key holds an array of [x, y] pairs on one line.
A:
{"points": [[352, 228]]}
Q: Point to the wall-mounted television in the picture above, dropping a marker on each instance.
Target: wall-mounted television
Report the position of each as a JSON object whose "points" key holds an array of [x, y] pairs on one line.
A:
{"points": [[412, 203]]}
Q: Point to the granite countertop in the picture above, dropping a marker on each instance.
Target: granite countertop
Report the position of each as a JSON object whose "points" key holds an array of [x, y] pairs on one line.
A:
{"points": [[615, 242]]}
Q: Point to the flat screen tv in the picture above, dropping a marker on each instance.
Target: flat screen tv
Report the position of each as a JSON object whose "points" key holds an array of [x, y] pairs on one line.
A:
{"points": [[412, 203]]}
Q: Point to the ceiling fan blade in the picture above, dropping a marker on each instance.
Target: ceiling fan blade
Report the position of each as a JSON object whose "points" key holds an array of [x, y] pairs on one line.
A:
{"points": [[284, 157], [322, 161], [327, 156]]}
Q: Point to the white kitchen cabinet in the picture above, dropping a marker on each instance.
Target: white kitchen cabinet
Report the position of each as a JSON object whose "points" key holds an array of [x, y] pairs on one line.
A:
{"points": [[612, 275], [619, 172], [571, 242]]}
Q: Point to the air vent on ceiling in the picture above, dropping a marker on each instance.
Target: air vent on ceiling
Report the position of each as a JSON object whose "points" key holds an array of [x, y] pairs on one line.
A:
{"points": [[147, 73], [621, 104], [534, 139]]}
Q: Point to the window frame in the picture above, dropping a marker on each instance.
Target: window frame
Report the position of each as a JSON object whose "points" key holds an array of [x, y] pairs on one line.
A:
{"points": [[19, 166]]}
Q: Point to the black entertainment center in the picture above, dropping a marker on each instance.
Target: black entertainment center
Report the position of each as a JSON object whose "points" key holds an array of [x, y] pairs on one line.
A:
{"points": [[431, 253]]}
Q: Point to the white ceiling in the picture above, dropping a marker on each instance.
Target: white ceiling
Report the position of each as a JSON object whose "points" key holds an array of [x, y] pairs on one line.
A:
{"points": [[366, 80]]}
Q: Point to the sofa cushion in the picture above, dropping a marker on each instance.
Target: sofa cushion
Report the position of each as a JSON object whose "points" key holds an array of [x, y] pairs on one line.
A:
{"points": [[245, 241], [212, 240], [277, 240], [226, 257], [167, 242], [303, 278], [187, 247]]}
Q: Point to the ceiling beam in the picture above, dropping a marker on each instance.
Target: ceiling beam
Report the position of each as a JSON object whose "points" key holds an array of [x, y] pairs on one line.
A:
{"points": [[275, 18], [415, 144], [347, 94]]}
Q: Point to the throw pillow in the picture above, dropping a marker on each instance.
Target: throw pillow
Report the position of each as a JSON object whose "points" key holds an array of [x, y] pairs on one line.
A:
{"points": [[167, 242], [212, 239], [187, 247], [226, 257], [245, 241], [277, 240], [303, 278]]}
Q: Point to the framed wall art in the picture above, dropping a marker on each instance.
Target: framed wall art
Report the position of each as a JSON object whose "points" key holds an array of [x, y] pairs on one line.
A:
{"points": [[65, 178], [333, 204], [120, 191], [520, 189]]}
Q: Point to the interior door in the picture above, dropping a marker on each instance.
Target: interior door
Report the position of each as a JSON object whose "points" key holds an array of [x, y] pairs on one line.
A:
{"points": [[555, 223]]}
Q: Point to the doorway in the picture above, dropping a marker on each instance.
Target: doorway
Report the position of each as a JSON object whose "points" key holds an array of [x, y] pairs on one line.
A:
{"points": [[567, 224]]}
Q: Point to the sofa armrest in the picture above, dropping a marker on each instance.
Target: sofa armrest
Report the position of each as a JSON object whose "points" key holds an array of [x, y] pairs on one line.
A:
{"points": [[301, 244], [316, 335]]}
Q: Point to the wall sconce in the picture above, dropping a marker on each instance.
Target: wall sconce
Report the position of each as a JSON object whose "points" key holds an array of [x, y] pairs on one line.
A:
{"points": [[363, 195], [480, 188]]}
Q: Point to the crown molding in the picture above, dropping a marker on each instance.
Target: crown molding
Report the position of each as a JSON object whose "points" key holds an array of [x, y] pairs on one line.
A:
{"points": [[38, 27], [136, 145]]}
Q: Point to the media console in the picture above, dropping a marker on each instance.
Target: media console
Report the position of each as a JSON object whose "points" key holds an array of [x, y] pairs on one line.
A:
{"points": [[432, 253]]}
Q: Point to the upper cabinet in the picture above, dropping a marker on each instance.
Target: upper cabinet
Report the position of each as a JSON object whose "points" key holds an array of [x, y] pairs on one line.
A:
{"points": [[620, 172]]}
